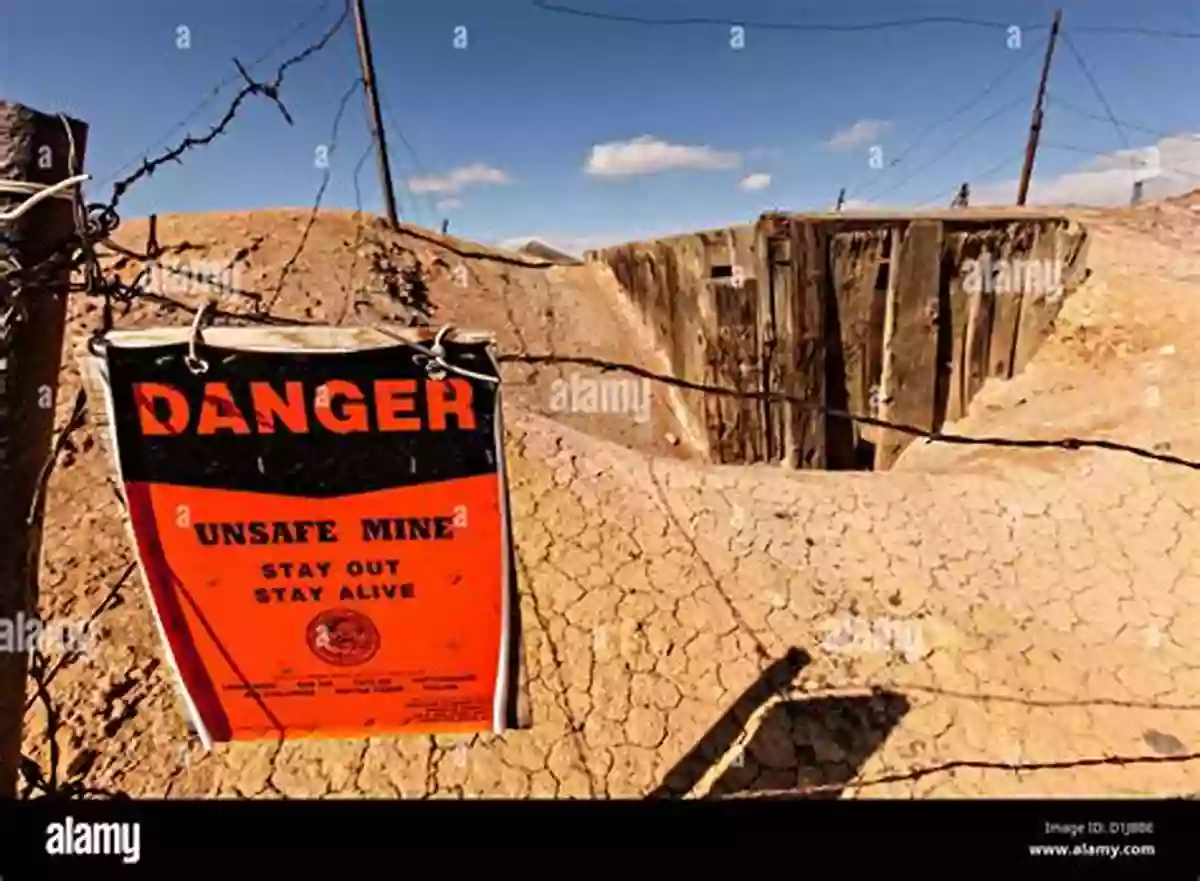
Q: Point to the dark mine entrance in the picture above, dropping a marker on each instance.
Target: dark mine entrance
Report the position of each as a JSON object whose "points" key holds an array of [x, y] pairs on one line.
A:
{"points": [[876, 315]]}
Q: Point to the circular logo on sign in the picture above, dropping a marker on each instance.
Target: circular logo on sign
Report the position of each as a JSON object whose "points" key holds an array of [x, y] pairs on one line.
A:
{"points": [[343, 637]]}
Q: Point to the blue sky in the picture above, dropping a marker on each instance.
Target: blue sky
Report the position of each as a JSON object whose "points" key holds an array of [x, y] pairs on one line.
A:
{"points": [[582, 131]]}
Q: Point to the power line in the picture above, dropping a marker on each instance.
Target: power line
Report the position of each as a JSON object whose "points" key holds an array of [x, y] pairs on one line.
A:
{"points": [[1124, 125], [1089, 151], [987, 90], [1058, 102], [1095, 88], [782, 26], [953, 144], [1135, 161], [980, 177], [892, 24], [394, 123], [1140, 32]]}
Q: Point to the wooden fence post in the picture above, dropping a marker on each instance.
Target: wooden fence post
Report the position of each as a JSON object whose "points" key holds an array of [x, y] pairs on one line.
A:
{"points": [[35, 148]]}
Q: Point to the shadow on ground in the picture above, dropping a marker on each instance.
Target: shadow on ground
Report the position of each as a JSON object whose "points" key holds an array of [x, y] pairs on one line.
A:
{"points": [[796, 744]]}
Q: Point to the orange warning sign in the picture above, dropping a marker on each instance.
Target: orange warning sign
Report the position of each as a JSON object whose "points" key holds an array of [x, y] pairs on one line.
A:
{"points": [[324, 534]]}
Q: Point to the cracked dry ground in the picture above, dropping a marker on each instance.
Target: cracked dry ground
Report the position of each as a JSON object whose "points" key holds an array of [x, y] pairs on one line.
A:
{"points": [[1057, 595]]}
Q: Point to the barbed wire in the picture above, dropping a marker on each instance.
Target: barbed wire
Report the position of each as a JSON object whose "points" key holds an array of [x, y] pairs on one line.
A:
{"points": [[216, 90]]}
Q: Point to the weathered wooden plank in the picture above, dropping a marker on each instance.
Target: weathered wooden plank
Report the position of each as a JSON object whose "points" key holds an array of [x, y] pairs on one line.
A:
{"points": [[887, 354], [959, 301], [685, 297], [1014, 248], [734, 423], [1073, 247], [913, 351], [775, 299], [855, 261], [981, 310], [979, 258], [754, 430], [805, 424], [765, 338], [1041, 289]]}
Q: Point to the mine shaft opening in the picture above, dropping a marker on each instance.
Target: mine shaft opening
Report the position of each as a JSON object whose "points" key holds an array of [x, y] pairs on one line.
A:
{"points": [[809, 322]]}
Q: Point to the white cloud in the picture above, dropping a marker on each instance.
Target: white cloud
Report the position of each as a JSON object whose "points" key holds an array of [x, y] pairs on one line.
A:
{"points": [[756, 181], [1167, 168], [449, 204], [648, 155], [865, 131], [458, 179]]}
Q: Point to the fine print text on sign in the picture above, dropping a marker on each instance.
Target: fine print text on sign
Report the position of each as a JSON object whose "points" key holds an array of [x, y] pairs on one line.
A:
{"points": [[324, 531]]}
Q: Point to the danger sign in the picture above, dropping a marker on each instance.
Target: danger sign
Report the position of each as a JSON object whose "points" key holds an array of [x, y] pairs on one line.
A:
{"points": [[322, 523]]}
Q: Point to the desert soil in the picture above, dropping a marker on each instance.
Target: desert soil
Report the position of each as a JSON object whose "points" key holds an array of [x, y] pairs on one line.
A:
{"points": [[1047, 601]]}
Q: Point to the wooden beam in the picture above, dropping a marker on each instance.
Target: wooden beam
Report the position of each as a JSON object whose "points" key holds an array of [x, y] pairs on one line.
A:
{"points": [[911, 350], [806, 365]]}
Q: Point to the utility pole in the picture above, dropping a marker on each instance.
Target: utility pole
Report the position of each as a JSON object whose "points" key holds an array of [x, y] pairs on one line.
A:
{"points": [[376, 121], [841, 199], [1035, 125]]}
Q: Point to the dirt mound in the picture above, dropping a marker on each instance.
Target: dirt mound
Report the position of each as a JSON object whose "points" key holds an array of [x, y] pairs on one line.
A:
{"points": [[542, 251], [977, 621], [355, 270]]}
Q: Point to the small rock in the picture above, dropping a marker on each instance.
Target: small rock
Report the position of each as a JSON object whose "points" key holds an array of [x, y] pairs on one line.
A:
{"points": [[1167, 350], [1163, 744], [671, 439]]}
